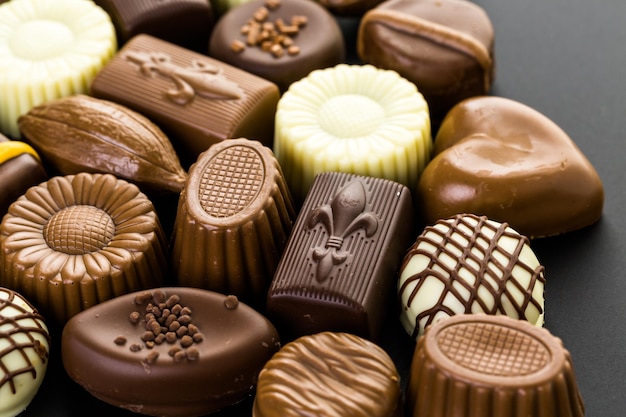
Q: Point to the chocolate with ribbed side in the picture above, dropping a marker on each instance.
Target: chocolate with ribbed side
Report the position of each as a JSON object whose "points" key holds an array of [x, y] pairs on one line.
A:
{"points": [[338, 271], [237, 212], [196, 100], [491, 366], [169, 351], [187, 23]]}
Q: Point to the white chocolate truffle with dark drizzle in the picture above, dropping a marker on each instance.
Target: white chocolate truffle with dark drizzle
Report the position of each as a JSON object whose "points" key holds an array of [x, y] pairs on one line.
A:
{"points": [[24, 350], [470, 264]]}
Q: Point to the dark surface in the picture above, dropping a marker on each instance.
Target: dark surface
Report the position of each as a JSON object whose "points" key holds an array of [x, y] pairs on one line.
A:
{"points": [[567, 59]]}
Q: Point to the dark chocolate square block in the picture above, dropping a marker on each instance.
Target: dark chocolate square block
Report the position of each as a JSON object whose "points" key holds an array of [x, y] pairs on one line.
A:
{"points": [[196, 100], [340, 267], [187, 23]]}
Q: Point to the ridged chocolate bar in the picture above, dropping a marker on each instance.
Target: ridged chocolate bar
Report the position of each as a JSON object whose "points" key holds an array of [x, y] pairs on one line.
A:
{"points": [[196, 100], [339, 269], [184, 22]]}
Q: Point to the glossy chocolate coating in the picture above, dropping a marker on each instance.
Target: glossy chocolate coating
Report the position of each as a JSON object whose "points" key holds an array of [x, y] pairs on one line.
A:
{"points": [[187, 23], [500, 158], [72, 242], [339, 269], [481, 365], [445, 47], [17, 174], [196, 100], [320, 42], [237, 212], [115, 351], [80, 133], [323, 374]]}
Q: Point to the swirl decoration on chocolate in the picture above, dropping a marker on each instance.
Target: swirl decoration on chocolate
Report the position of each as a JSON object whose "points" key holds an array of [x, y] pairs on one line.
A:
{"points": [[78, 240], [200, 78], [345, 214], [19, 324], [328, 374], [470, 264]]}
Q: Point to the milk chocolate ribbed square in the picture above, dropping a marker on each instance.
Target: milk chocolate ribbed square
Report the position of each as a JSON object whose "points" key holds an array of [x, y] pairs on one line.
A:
{"points": [[339, 269]]}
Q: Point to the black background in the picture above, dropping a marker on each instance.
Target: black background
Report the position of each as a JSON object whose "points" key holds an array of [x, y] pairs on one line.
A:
{"points": [[567, 59]]}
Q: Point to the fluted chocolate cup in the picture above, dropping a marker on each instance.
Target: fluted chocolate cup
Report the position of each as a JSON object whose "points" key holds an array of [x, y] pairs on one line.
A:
{"points": [[234, 217], [74, 241], [491, 366]]}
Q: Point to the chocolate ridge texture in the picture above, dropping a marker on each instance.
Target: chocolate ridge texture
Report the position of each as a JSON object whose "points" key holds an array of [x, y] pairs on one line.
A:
{"points": [[75, 241], [51, 49], [172, 352], [196, 100], [500, 158], [24, 352], [235, 210], [331, 375], [337, 271], [491, 366]]}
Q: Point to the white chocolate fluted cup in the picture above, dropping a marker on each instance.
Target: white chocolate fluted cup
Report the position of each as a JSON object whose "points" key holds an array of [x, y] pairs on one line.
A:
{"points": [[49, 49], [354, 119]]}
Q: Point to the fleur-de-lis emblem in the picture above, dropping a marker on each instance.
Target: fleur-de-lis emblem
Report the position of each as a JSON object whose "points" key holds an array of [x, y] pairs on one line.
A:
{"points": [[343, 216], [200, 78]]}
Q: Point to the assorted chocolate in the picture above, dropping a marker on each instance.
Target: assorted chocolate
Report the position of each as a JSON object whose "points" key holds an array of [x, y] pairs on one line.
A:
{"points": [[445, 47], [20, 169], [196, 100], [87, 248], [469, 264], [52, 50], [187, 23], [75, 241], [329, 374], [352, 118], [497, 157], [233, 220], [338, 270], [171, 352], [279, 40], [481, 365], [80, 133], [24, 352]]}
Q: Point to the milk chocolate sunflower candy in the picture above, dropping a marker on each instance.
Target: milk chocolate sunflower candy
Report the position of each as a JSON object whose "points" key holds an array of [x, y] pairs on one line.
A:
{"points": [[470, 264]]}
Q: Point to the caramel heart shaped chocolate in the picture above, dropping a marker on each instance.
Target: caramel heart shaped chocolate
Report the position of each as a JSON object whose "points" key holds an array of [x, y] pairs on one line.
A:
{"points": [[500, 158]]}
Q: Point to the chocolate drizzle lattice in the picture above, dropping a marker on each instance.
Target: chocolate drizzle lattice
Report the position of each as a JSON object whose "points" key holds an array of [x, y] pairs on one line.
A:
{"points": [[19, 323], [480, 266]]}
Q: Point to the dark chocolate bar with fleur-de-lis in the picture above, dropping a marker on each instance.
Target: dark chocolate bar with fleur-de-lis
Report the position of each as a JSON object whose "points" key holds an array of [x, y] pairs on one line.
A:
{"points": [[196, 100], [339, 269]]}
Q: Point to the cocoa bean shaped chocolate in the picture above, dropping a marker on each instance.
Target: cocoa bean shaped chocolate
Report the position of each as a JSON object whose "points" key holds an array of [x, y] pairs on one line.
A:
{"points": [[85, 134]]}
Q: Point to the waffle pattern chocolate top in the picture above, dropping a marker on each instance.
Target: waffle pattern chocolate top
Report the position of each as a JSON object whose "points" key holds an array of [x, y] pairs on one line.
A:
{"points": [[216, 189]]}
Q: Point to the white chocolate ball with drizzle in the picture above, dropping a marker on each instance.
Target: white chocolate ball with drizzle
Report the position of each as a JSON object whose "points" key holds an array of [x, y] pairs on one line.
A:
{"points": [[470, 264]]}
